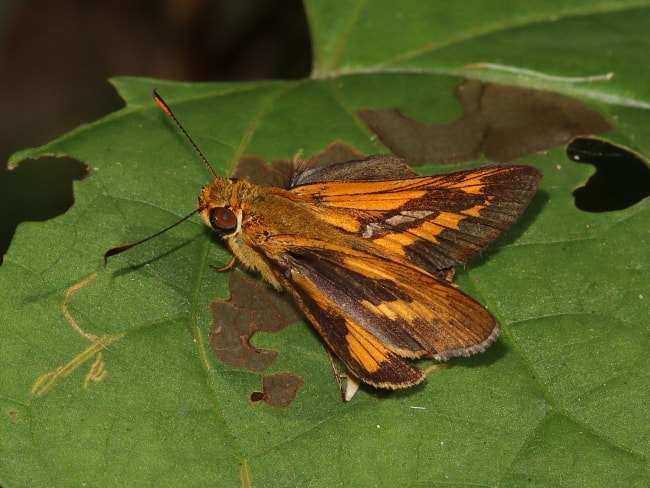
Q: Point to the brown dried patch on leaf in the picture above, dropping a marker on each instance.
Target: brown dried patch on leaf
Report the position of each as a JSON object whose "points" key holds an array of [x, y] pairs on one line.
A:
{"points": [[279, 172], [278, 390], [259, 172], [501, 122], [336, 152], [252, 307]]}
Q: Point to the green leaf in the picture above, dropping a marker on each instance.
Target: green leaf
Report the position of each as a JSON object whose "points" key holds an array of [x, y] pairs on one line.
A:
{"points": [[560, 400]]}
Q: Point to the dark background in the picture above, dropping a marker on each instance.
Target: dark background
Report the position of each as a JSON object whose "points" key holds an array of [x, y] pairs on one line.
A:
{"points": [[56, 55]]}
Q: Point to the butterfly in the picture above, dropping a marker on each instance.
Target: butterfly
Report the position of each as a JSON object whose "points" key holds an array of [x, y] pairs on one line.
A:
{"points": [[366, 248]]}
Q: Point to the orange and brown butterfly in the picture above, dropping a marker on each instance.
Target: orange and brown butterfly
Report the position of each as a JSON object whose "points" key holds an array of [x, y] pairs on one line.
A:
{"points": [[365, 249]]}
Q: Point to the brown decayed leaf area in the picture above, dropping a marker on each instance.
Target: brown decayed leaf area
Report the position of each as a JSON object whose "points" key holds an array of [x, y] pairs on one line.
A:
{"points": [[278, 172], [252, 307], [501, 122], [278, 390]]}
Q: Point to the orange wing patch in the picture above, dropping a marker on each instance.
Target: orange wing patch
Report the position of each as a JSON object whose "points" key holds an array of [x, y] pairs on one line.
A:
{"points": [[365, 348], [373, 196]]}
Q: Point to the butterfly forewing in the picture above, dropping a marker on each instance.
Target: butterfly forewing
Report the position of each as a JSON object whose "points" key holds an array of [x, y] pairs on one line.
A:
{"points": [[436, 221]]}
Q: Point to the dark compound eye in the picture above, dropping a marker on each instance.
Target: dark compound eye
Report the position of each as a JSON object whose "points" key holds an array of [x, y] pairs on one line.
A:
{"points": [[222, 218]]}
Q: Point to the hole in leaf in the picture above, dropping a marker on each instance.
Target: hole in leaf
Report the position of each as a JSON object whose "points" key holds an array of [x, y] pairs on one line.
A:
{"points": [[257, 396], [622, 178], [35, 191]]}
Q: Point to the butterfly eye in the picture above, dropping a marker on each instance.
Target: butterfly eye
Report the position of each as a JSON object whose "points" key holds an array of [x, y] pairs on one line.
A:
{"points": [[222, 218]]}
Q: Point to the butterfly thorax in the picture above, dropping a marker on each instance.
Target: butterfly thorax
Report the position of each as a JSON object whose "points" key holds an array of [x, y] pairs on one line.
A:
{"points": [[266, 219]]}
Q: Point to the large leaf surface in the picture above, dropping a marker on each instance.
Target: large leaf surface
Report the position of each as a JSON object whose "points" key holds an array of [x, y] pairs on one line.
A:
{"points": [[560, 400]]}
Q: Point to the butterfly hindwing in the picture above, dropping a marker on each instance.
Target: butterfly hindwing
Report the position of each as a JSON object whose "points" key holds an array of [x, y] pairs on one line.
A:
{"points": [[380, 167], [374, 313]]}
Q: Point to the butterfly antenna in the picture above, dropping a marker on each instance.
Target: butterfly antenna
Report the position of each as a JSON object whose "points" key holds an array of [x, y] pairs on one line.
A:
{"points": [[124, 247], [165, 108]]}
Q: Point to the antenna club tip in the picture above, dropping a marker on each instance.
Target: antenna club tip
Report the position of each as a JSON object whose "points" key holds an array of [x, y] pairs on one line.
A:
{"points": [[117, 250], [161, 103], [107, 255]]}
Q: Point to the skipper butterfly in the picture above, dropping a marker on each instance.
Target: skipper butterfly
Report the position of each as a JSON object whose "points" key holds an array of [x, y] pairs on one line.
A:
{"points": [[366, 248]]}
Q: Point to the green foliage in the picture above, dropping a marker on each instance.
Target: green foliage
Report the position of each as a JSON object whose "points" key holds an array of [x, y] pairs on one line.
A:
{"points": [[561, 400]]}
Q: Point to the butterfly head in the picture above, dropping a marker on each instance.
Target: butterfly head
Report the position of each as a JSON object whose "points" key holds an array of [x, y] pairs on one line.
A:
{"points": [[219, 206]]}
